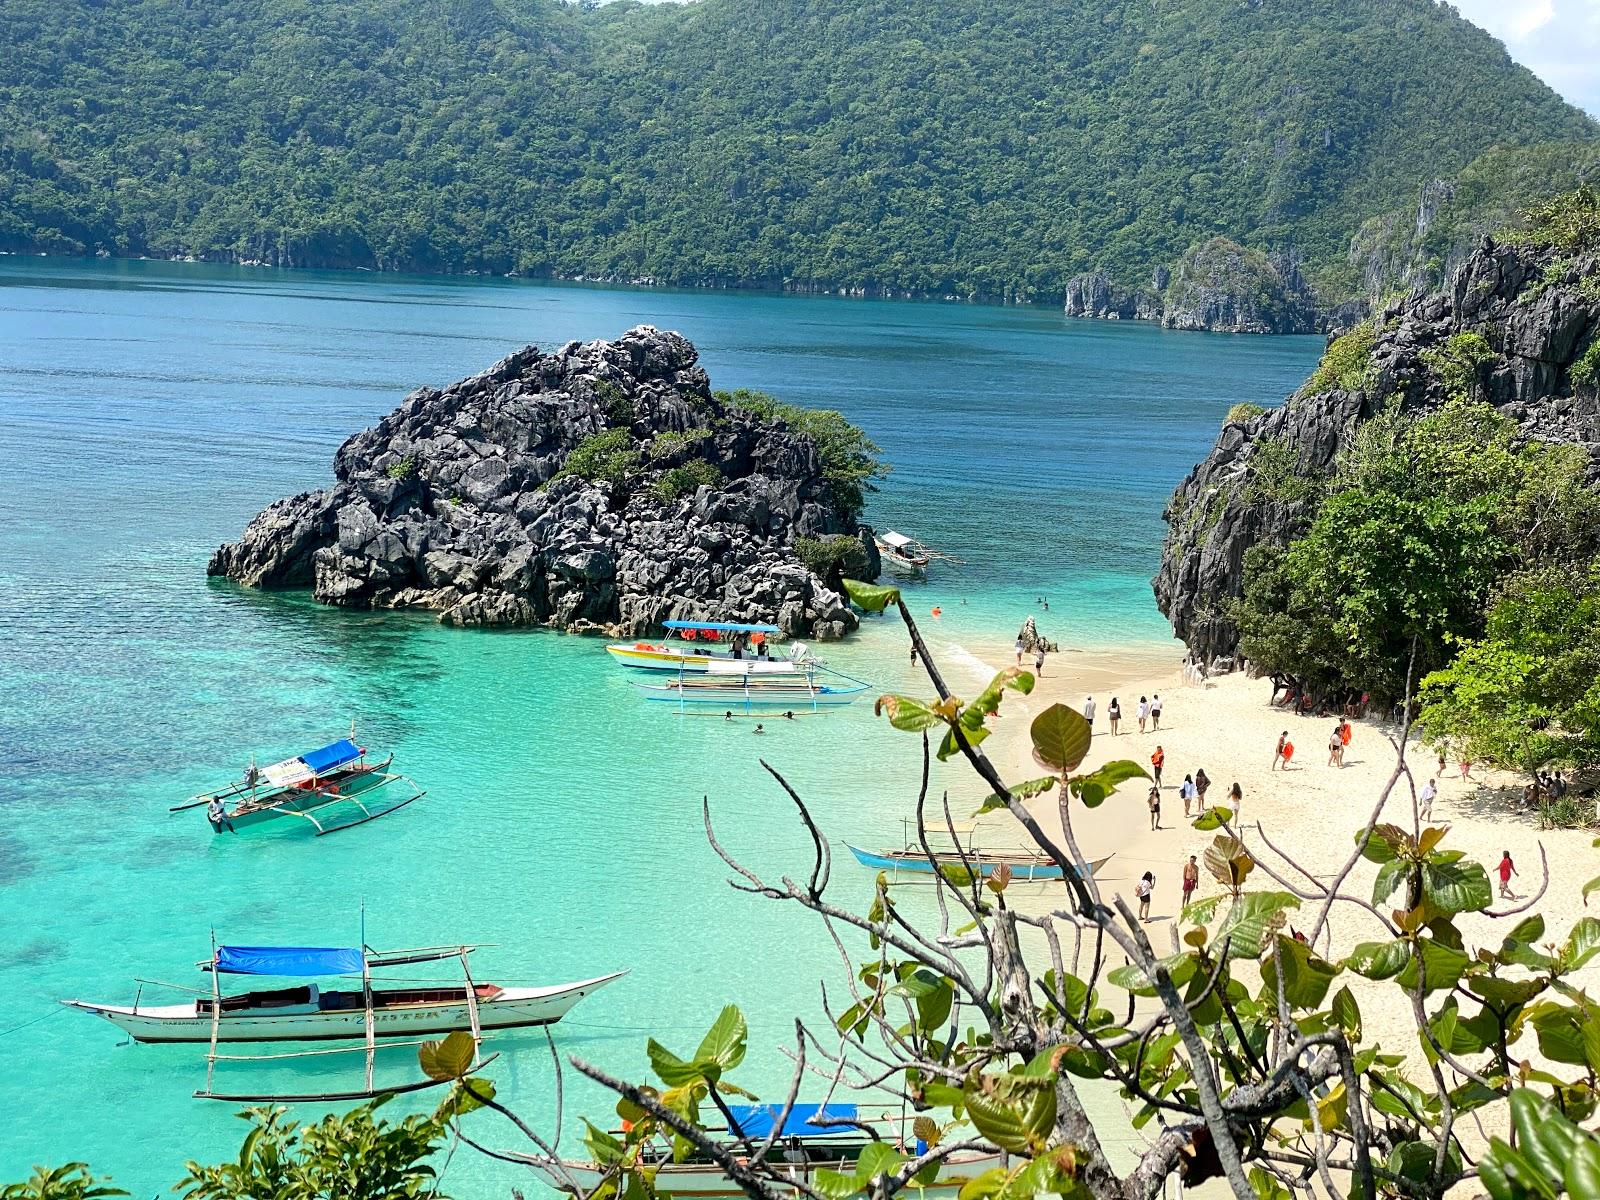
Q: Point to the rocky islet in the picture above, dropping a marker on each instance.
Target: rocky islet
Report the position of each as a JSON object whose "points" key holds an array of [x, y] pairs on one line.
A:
{"points": [[599, 487]]}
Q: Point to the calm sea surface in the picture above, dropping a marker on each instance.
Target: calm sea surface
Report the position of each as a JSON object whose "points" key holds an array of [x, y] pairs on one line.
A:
{"points": [[147, 411]]}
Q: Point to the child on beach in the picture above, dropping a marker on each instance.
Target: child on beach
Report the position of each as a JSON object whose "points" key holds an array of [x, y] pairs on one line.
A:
{"points": [[1157, 760], [1154, 801], [1114, 715], [1506, 869], [1191, 879], [1466, 768], [1144, 712], [1277, 755], [1186, 793], [1155, 712], [1147, 884]]}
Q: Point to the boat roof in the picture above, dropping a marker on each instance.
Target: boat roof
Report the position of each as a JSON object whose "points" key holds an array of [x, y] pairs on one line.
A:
{"points": [[301, 961], [897, 540], [756, 1120], [312, 763], [721, 626]]}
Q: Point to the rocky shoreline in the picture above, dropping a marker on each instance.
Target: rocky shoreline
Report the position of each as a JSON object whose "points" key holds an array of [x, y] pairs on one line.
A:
{"points": [[601, 487]]}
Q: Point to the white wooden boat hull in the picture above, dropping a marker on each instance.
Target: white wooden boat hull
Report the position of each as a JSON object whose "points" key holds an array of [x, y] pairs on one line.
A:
{"points": [[669, 658], [706, 1179], [740, 699], [512, 1008]]}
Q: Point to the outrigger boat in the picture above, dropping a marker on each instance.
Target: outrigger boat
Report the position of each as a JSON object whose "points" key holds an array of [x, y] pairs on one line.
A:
{"points": [[307, 1012], [727, 686], [306, 786], [812, 1138], [701, 643], [912, 859], [905, 555]]}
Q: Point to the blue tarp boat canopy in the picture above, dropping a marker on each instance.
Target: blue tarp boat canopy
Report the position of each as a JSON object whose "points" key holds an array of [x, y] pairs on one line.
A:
{"points": [[329, 757], [287, 960], [755, 1120], [721, 626]]}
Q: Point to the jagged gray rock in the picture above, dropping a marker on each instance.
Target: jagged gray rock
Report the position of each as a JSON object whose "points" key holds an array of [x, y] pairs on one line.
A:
{"points": [[455, 503], [1222, 286], [1538, 311]]}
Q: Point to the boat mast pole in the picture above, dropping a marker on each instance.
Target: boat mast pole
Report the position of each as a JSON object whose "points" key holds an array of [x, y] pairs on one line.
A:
{"points": [[216, 1012], [472, 1008], [366, 1001]]}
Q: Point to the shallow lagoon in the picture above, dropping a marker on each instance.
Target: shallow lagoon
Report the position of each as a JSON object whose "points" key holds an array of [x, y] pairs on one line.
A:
{"points": [[147, 411]]}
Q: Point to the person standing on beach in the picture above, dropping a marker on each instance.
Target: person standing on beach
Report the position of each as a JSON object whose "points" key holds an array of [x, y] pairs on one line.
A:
{"points": [[1191, 879], [1144, 712], [1186, 793], [1335, 749], [1147, 884], [1114, 715], [1154, 801], [1021, 649], [1277, 755], [1202, 781], [1506, 870], [1287, 752], [1425, 799], [1155, 712], [1466, 769], [1088, 712], [1236, 799], [1345, 732], [1038, 658], [1157, 760]]}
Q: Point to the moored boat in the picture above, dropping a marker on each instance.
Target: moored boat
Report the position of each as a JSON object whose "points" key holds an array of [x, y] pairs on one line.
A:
{"points": [[724, 685], [803, 1146], [903, 554], [701, 643], [954, 849], [330, 788]]}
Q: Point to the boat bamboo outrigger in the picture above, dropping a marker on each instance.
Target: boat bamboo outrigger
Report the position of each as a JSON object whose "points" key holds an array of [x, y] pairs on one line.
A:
{"points": [[907, 555], [307, 1012], [308, 786], [913, 859], [702, 643], [727, 686], [811, 1138]]}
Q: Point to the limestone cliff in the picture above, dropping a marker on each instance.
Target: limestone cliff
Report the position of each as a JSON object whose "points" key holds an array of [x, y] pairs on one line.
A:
{"points": [[1537, 308], [601, 486]]}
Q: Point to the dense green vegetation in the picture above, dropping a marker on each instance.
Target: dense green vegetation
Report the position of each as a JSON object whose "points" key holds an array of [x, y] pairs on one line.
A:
{"points": [[976, 147], [850, 462]]}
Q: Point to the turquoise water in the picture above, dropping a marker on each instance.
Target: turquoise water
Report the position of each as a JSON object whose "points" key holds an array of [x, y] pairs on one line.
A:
{"points": [[147, 411]]}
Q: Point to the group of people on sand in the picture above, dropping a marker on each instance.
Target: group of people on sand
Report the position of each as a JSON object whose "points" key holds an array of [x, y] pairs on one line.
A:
{"points": [[1148, 714]]}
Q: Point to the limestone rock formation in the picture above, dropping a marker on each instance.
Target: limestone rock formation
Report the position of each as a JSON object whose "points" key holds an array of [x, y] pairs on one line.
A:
{"points": [[1538, 310], [1222, 286], [600, 486]]}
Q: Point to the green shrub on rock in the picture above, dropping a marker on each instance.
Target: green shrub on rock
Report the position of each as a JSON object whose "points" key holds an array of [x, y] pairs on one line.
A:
{"points": [[680, 481]]}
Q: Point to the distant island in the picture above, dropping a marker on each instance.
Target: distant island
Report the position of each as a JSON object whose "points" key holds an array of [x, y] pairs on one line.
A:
{"points": [[1205, 164], [600, 487]]}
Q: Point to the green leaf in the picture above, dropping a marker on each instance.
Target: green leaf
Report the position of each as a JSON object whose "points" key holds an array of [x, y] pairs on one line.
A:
{"points": [[1442, 965], [1455, 887], [878, 1158], [1228, 861], [450, 1058], [1212, 818], [1021, 791], [982, 1187], [1347, 1014], [724, 1043], [1097, 785], [870, 597], [1060, 738], [1249, 919], [1306, 976], [907, 713], [835, 1185], [1384, 844], [1582, 944], [669, 1068], [1390, 876], [468, 1095], [1378, 960], [603, 1148], [1014, 1118], [1131, 976], [1591, 887]]}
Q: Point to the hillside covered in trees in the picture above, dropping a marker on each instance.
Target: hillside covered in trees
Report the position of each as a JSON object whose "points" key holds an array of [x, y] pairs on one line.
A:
{"points": [[991, 148]]}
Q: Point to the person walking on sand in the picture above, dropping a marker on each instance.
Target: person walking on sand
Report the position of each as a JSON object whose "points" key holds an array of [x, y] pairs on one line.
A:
{"points": [[1191, 880], [1466, 769], [1157, 761], [1038, 658], [1186, 793], [1114, 715], [1287, 752], [1202, 781], [1088, 712], [1335, 749], [1345, 733], [1425, 799], [1021, 649], [1277, 755], [1506, 870], [1144, 712], [1147, 884], [1236, 801], [1154, 801], [1155, 712]]}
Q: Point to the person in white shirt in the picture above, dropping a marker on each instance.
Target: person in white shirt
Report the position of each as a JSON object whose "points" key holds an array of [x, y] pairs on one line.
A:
{"points": [[1425, 799], [1147, 884], [1144, 712], [1088, 711], [1155, 713], [1187, 792]]}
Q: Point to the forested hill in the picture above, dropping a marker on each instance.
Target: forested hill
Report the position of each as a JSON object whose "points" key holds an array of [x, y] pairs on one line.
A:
{"points": [[975, 147]]}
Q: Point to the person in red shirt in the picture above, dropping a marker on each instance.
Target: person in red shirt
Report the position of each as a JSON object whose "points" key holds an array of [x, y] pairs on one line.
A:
{"points": [[1507, 869], [1157, 760]]}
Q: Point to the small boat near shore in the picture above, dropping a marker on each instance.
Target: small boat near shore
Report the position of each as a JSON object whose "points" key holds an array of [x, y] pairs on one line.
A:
{"points": [[702, 643], [330, 788], [812, 1138], [903, 554], [308, 1012], [912, 859], [725, 685]]}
